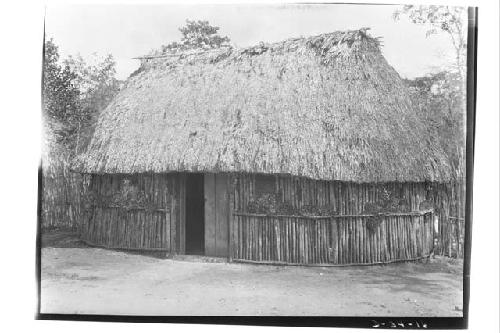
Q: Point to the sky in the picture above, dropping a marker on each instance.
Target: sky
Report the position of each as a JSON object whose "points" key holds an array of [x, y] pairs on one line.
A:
{"points": [[130, 30]]}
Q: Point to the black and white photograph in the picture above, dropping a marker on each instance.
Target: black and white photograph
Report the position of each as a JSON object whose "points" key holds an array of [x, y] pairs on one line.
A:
{"points": [[257, 160]]}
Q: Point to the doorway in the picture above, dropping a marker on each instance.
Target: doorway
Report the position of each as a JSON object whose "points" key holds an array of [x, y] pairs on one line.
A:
{"points": [[195, 214]]}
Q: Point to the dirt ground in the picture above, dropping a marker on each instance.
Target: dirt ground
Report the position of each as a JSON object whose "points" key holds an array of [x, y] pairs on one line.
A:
{"points": [[77, 279]]}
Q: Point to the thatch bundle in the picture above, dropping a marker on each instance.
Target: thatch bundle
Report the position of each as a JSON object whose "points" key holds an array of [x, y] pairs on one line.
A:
{"points": [[325, 107]]}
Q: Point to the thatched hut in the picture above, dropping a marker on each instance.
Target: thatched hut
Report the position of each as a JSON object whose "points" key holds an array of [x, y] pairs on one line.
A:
{"points": [[277, 153]]}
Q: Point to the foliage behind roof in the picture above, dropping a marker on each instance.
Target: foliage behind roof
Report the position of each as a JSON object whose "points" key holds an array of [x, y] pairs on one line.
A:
{"points": [[324, 107]]}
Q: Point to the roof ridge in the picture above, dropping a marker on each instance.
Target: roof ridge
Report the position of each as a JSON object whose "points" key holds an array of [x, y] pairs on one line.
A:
{"points": [[264, 46]]}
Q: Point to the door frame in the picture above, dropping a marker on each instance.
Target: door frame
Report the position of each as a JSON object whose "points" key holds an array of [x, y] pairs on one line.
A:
{"points": [[228, 218]]}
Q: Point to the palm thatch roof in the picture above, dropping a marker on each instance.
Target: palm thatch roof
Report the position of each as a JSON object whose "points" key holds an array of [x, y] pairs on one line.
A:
{"points": [[324, 107]]}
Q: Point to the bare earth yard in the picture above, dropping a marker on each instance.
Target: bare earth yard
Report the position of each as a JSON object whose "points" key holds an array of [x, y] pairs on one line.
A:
{"points": [[83, 280]]}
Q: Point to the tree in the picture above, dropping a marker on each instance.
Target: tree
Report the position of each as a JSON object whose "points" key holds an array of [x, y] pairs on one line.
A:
{"points": [[74, 92], [451, 20], [60, 97], [197, 35], [98, 85]]}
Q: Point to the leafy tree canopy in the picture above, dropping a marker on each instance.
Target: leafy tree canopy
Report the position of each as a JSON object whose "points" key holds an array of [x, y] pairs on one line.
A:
{"points": [[95, 79], [197, 35], [60, 97], [74, 92]]}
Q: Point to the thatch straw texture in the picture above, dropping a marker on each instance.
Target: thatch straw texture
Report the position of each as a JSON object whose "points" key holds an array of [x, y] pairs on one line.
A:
{"points": [[324, 107]]}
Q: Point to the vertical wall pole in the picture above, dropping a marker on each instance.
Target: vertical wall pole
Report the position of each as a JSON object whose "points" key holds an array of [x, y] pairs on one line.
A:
{"points": [[182, 222], [230, 217], [210, 214], [174, 219]]}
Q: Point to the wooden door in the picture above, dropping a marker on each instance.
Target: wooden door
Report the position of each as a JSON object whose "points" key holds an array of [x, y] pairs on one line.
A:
{"points": [[216, 215]]}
